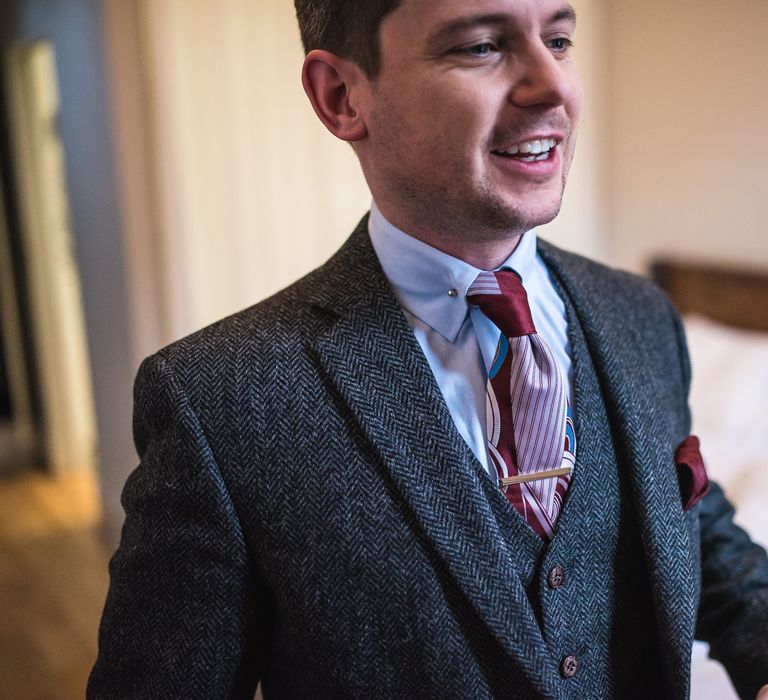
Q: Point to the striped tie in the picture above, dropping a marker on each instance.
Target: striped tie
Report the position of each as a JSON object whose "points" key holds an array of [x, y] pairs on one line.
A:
{"points": [[529, 426]]}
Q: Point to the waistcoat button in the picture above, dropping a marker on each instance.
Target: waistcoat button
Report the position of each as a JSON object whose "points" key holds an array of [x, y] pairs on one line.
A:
{"points": [[569, 666], [556, 577]]}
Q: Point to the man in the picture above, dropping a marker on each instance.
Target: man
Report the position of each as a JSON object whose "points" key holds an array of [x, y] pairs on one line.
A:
{"points": [[336, 496]]}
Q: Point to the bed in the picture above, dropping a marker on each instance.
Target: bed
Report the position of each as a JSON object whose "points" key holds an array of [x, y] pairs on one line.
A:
{"points": [[726, 318]]}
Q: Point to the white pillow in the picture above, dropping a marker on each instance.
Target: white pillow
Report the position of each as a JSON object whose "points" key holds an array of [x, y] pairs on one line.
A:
{"points": [[729, 404], [729, 395]]}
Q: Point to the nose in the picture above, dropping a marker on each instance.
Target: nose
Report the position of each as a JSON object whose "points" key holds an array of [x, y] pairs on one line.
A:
{"points": [[542, 79]]}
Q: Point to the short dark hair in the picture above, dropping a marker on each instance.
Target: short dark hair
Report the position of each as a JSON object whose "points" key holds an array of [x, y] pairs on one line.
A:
{"points": [[348, 28]]}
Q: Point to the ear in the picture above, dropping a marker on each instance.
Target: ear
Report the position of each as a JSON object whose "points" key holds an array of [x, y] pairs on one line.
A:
{"points": [[331, 84]]}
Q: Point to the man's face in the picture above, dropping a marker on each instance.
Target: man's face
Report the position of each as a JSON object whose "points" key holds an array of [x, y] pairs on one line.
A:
{"points": [[471, 120]]}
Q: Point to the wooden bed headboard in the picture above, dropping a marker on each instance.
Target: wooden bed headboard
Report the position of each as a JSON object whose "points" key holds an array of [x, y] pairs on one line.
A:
{"points": [[729, 295]]}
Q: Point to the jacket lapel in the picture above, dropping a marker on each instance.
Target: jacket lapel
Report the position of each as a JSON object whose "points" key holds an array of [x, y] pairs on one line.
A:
{"points": [[645, 444], [370, 354]]}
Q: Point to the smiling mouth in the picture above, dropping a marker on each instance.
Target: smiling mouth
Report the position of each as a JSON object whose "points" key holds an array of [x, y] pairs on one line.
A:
{"points": [[529, 151]]}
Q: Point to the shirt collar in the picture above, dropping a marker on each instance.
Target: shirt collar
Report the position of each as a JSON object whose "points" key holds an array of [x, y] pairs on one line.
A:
{"points": [[430, 284]]}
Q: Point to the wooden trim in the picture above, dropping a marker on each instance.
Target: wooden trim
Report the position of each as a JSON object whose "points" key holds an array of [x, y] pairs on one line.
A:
{"points": [[737, 297]]}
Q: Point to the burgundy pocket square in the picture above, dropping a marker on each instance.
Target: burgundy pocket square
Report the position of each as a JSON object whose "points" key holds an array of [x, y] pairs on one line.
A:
{"points": [[691, 473]]}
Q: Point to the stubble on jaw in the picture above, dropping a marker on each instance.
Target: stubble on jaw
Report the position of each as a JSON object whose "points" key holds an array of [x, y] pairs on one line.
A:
{"points": [[482, 231], [453, 214]]}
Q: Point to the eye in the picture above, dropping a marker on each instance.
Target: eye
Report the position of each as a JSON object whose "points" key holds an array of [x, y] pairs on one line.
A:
{"points": [[481, 50], [561, 44]]}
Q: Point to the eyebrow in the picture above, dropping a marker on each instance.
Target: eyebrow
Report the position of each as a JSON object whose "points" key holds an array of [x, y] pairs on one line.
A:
{"points": [[446, 30], [565, 14]]}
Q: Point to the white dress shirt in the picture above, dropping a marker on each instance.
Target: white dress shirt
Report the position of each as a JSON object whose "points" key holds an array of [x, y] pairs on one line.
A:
{"points": [[458, 341]]}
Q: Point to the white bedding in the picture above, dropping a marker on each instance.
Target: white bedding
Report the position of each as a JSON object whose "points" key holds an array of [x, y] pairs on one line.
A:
{"points": [[728, 394]]}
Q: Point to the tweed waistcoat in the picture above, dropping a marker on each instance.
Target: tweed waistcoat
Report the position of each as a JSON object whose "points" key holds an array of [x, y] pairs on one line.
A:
{"points": [[603, 613]]}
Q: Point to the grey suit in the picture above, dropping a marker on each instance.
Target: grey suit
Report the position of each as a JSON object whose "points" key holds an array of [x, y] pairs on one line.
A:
{"points": [[305, 513]]}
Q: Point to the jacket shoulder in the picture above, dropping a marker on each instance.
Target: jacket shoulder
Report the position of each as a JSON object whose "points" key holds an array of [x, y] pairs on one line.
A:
{"points": [[301, 310]]}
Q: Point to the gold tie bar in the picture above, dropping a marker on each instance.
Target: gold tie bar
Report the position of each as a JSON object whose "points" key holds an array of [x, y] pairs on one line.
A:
{"points": [[534, 476]]}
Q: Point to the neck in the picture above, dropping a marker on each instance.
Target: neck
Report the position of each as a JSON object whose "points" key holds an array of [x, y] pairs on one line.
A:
{"points": [[484, 250], [480, 248], [485, 255]]}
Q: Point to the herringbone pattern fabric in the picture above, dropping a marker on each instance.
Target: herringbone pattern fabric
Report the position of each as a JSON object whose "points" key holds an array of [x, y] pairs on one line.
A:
{"points": [[305, 513]]}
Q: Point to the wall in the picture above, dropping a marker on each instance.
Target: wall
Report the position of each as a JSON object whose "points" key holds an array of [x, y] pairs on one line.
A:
{"points": [[689, 151], [583, 224]]}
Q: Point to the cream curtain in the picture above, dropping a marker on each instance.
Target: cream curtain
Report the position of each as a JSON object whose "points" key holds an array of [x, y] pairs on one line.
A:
{"points": [[247, 190]]}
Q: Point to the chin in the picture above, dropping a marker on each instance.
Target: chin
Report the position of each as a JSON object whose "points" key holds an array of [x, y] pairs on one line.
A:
{"points": [[532, 215], [548, 215]]}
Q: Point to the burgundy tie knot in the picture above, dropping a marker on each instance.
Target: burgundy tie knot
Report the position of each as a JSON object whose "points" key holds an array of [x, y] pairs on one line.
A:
{"points": [[503, 299]]}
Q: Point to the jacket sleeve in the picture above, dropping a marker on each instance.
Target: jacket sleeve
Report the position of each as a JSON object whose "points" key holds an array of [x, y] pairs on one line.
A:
{"points": [[733, 608], [733, 611], [180, 618]]}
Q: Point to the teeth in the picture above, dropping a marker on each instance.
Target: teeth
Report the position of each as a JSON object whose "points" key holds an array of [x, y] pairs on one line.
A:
{"points": [[534, 159], [536, 147], [530, 147]]}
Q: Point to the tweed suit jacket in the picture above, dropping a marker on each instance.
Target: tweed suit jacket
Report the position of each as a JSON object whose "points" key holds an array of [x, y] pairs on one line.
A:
{"points": [[306, 514]]}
